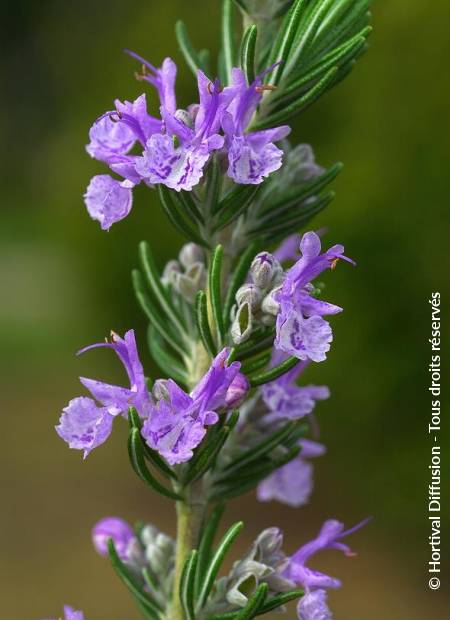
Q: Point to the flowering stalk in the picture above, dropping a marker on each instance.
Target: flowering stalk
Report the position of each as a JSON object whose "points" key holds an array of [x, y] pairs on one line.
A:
{"points": [[234, 321]]}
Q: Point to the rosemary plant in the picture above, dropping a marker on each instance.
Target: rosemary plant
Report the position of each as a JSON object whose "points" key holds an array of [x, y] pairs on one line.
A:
{"points": [[234, 320]]}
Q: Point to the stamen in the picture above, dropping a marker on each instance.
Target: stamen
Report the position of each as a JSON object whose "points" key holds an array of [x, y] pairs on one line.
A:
{"points": [[115, 116], [142, 75], [334, 263], [261, 89]]}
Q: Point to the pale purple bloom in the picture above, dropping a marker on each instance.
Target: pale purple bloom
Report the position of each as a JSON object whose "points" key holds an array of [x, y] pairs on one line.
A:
{"points": [[292, 484], [313, 606], [301, 329], [177, 156], [119, 531], [285, 399], [329, 537], [84, 425], [107, 200], [72, 614], [177, 423], [252, 156]]}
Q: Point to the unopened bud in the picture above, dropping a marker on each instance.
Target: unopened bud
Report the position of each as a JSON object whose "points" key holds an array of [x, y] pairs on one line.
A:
{"points": [[170, 271], [263, 269], [242, 324], [189, 254], [119, 531], [270, 305], [249, 294]]}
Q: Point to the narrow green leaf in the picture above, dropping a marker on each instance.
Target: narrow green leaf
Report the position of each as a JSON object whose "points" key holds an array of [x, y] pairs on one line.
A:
{"points": [[150, 607], [246, 479], [208, 531], [241, 5], [248, 51], [187, 204], [262, 449], [299, 104], [272, 603], [336, 57], [275, 234], [187, 585], [212, 194], [283, 43], [153, 313], [201, 313], [136, 454], [256, 363], [280, 599], [216, 562], [206, 456], [237, 278], [215, 292], [154, 281], [354, 17], [134, 419], [306, 33], [187, 49], [254, 603], [258, 343], [273, 373], [228, 38], [177, 220], [296, 195], [234, 204]]}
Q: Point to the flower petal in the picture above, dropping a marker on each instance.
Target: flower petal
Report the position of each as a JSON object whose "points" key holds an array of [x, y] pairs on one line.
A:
{"points": [[107, 200], [84, 425]]}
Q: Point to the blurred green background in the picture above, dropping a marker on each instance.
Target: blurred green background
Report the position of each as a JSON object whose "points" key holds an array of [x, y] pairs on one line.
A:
{"points": [[65, 284]]}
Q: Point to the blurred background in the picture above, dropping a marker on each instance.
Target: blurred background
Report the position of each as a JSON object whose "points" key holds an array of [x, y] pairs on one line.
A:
{"points": [[65, 284]]}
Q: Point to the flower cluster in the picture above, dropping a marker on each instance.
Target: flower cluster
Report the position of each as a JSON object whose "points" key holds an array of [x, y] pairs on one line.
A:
{"points": [[233, 322], [175, 148]]}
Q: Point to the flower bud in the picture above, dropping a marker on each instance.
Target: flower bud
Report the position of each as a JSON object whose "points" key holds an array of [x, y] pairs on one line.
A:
{"points": [[249, 293], [263, 269], [189, 283], [237, 391], [190, 253], [170, 270], [119, 531], [242, 324], [269, 304]]}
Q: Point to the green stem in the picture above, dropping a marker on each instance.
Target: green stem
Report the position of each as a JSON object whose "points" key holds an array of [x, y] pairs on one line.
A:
{"points": [[189, 518]]}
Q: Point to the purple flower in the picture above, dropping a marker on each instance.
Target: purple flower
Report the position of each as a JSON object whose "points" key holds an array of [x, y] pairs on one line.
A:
{"points": [[107, 200], [71, 614], [116, 132], [84, 425], [292, 484], [301, 330], [177, 156], [176, 425], [329, 537], [119, 531], [285, 399], [313, 606], [252, 156]]}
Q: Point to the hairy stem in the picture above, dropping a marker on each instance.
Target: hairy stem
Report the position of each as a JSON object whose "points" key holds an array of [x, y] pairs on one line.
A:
{"points": [[189, 518]]}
